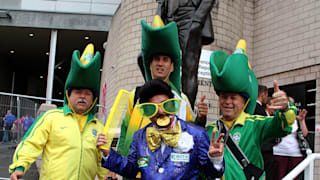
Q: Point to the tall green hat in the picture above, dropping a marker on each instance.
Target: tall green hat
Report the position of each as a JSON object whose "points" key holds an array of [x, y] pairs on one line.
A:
{"points": [[161, 39], [233, 73], [84, 73]]}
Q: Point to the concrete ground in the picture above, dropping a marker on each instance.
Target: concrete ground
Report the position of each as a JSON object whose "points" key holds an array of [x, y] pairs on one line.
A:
{"points": [[6, 154]]}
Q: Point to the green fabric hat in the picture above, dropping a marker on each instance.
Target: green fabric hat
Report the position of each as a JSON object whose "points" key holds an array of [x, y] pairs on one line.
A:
{"points": [[84, 76], [161, 40], [232, 73]]}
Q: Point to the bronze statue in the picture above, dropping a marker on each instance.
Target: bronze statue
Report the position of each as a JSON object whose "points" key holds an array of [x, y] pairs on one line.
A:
{"points": [[195, 29]]}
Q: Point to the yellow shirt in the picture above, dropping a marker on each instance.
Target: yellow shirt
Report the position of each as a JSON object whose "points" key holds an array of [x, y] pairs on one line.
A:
{"points": [[82, 120]]}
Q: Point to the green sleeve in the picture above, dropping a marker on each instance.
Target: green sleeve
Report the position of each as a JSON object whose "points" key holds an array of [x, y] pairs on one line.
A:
{"points": [[276, 126]]}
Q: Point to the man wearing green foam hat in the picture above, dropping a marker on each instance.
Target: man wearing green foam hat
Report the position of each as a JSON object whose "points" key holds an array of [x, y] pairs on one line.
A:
{"points": [[161, 60], [66, 136], [236, 86]]}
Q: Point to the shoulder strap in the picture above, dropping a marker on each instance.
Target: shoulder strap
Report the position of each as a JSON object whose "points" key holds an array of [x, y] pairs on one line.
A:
{"points": [[299, 127], [232, 146], [251, 171]]}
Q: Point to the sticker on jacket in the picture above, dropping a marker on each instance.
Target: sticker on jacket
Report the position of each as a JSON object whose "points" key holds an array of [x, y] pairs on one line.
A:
{"points": [[143, 161]]}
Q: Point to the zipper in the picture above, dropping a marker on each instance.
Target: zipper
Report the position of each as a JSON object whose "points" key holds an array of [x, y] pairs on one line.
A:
{"points": [[80, 135], [81, 142]]}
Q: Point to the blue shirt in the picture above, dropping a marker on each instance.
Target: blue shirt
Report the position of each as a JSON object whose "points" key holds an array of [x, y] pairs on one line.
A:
{"points": [[27, 122], [9, 119]]}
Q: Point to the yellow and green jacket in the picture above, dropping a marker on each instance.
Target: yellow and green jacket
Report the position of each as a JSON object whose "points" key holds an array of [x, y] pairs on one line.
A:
{"points": [[250, 132], [67, 153], [133, 121]]}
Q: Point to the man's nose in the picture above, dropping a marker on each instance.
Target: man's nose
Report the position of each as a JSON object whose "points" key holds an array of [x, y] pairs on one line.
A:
{"points": [[160, 62], [160, 111], [82, 94], [228, 100]]}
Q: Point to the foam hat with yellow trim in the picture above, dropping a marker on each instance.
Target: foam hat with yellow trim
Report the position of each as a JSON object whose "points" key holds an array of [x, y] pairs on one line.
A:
{"points": [[161, 39], [84, 73], [234, 74]]}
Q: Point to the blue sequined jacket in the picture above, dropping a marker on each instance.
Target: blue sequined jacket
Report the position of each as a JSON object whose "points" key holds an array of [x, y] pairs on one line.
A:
{"points": [[164, 165]]}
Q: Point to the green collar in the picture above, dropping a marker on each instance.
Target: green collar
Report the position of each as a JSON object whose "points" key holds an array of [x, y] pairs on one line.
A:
{"points": [[240, 120], [67, 111]]}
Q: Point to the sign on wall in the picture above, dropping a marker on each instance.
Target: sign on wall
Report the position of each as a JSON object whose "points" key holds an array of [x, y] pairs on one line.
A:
{"points": [[204, 66]]}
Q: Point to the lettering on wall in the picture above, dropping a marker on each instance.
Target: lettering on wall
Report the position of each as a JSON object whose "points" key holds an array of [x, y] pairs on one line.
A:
{"points": [[204, 83]]}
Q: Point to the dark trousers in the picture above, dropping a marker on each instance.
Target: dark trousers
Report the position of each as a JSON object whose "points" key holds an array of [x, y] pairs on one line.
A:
{"points": [[7, 132], [284, 164], [268, 164]]}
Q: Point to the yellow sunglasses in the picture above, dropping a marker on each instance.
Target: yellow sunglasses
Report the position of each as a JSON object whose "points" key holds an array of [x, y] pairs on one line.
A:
{"points": [[170, 106]]}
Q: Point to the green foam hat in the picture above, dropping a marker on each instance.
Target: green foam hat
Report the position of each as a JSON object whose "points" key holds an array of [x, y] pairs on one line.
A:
{"points": [[233, 73], [84, 73], [161, 39]]}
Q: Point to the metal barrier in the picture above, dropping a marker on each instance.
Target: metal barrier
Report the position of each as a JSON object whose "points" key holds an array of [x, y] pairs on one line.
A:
{"points": [[23, 105], [307, 165]]}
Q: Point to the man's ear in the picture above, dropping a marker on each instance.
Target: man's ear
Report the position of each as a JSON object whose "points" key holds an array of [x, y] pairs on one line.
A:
{"points": [[171, 67]]}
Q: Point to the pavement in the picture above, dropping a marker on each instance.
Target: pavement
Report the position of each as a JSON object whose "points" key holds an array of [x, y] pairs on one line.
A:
{"points": [[6, 154]]}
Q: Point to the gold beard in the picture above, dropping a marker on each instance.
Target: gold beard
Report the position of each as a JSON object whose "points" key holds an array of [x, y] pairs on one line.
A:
{"points": [[163, 121]]}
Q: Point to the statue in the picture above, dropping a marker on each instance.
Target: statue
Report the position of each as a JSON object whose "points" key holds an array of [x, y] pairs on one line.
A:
{"points": [[195, 29]]}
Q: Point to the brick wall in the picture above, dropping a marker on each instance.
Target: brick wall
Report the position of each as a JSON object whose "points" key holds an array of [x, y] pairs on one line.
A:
{"points": [[287, 46], [286, 36]]}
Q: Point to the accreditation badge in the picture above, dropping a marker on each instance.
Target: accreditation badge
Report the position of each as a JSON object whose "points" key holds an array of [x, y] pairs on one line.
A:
{"points": [[180, 157], [143, 161]]}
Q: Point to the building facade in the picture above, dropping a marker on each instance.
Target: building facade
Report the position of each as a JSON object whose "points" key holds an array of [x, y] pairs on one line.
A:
{"points": [[40, 36]]}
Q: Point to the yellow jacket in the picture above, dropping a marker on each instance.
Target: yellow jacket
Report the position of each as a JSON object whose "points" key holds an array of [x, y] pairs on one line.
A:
{"points": [[66, 152]]}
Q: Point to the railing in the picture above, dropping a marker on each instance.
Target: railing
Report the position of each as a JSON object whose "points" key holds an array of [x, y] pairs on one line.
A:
{"points": [[24, 105], [307, 165]]}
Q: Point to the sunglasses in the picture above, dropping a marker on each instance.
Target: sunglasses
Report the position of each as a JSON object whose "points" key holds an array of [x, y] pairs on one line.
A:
{"points": [[170, 106]]}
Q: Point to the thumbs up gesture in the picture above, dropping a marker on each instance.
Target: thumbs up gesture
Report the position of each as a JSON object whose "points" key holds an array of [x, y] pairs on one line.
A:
{"points": [[202, 108], [279, 98]]}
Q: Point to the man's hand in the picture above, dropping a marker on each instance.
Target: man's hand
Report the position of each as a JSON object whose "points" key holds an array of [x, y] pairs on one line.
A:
{"points": [[202, 109], [102, 140], [301, 118], [279, 98], [302, 115], [16, 175], [216, 148], [110, 175]]}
